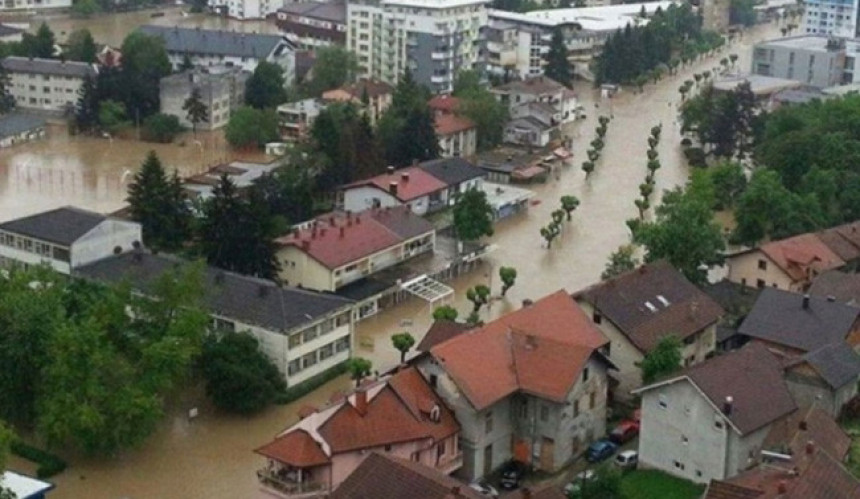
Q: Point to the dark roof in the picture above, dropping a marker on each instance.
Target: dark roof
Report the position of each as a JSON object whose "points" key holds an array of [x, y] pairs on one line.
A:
{"points": [[779, 317], [327, 11], [62, 226], [725, 490], [836, 239], [844, 287], [210, 41], [531, 121], [836, 363], [243, 298], [13, 124], [725, 332], [440, 332], [736, 299], [401, 221], [15, 64], [651, 302], [452, 171], [6, 30], [365, 288], [536, 85], [792, 434], [382, 476]]}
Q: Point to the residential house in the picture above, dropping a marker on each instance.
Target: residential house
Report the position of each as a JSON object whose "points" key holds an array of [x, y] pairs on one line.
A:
{"points": [[841, 286], [458, 135], [46, 84], [241, 173], [844, 240], [313, 24], [440, 332], [24, 487], [530, 386], [340, 248], [826, 377], [528, 131], [810, 424], [221, 88], [561, 101], [710, 421], [18, 128], [515, 51], [245, 9], [372, 95], [637, 309], [209, 47], [296, 118], [29, 5], [789, 264], [65, 239], [458, 174], [399, 415], [304, 333], [795, 324]]}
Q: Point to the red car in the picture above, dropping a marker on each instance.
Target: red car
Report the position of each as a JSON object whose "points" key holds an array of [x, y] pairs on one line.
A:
{"points": [[625, 431]]}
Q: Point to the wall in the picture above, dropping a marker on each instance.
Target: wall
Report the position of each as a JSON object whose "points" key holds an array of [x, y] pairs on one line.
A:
{"points": [[100, 242], [743, 269], [361, 198], [29, 91], [622, 353], [462, 144], [287, 61], [807, 388], [745, 451], [26, 136], [818, 68], [299, 268]]}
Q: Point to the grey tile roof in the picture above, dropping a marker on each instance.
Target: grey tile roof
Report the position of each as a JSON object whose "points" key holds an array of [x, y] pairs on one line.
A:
{"points": [[242, 298], [836, 363], [216, 42], [6, 30], [61, 226], [452, 171], [402, 222], [843, 287], [536, 86], [15, 64], [779, 316], [13, 124]]}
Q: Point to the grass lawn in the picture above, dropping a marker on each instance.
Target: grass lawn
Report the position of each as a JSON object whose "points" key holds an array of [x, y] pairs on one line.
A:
{"points": [[852, 428], [652, 484]]}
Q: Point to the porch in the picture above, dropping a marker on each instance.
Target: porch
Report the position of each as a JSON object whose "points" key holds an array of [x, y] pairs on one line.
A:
{"points": [[292, 483]]}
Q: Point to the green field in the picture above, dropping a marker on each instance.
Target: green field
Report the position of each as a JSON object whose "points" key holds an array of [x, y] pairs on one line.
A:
{"points": [[652, 484]]}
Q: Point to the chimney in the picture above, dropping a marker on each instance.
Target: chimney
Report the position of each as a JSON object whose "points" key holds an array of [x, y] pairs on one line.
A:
{"points": [[831, 298], [405, 176], [390, 170], [782, 487], [361, 401], [527, 303], [806, 302], [342, 230], [392, 188], [331, 220], [728, 405], [810, 447], [802, 425]]}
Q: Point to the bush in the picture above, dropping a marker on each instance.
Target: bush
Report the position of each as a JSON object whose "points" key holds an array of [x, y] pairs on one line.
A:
{"points": [[695, 157], [161, 128], [851, 410], [299, 390], [49, 464]]}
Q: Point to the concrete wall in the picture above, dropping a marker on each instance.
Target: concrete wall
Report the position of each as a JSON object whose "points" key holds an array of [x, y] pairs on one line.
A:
{"points": [[462, 143], [363, 197], [807, 388], [744, 451], [44, 92], [21, 137], [101, 241], [818, 68], [287, 61], [28, 5], [297, 268], [744, 269]]}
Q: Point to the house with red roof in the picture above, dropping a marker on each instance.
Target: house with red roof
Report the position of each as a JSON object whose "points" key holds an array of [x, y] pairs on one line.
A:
{"points": [[530, 386], [339, 248], [399, 415], [372, 95], [458, 135]]}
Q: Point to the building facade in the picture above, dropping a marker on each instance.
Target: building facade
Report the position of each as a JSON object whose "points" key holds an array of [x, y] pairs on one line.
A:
{"points": [[515, 50], [377, 95], [46, 84], [831, 17], [313, 24], [27, 5], [296, 118], [245, 9], [815, 60], [222, 90], [20, 128]]}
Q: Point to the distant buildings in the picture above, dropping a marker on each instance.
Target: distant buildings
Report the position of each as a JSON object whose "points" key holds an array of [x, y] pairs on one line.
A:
{"points": [[46, 84], [371, 95], [457, 134], [537, 106], [222, 90], [245, 9], [814, 60], [313, 24], [18, 128], [296, 118], [27, 5], [831, 18]]}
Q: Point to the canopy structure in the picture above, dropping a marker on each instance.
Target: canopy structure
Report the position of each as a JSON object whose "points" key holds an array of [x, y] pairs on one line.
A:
{"points": [[427, 288]]}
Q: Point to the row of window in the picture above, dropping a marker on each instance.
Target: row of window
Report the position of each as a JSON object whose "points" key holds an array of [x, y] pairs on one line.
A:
{"points": [[311, 359], [663, 403], [33, 246], [321, 329]]}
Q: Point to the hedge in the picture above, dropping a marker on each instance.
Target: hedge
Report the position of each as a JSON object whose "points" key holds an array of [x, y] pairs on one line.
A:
{"points": [[49, 464], [299, 390]]}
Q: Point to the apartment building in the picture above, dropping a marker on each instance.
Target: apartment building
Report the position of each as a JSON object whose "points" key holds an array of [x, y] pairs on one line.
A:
{"points": [[815, 60], [13, 5], [515, 51], [432, 39], [831, 17], [46, 84], [222, 90], [313, 24], [245, 9]]}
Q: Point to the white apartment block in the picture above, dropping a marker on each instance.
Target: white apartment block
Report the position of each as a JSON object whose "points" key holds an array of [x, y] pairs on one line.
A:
{"points": [[245, 9], [434, 39], [46, 84], [831, 17], [222, 90], [12, 5], [515, 50]]}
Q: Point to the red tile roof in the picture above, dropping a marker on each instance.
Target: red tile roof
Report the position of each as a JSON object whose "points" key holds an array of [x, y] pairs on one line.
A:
{"points": [[446, 124], [444, 103], [725, 490], [844, 240], [539, 349], [440, 332], [791, 435], [799, 254], [412, 183], [296, 448], [341, 238]]}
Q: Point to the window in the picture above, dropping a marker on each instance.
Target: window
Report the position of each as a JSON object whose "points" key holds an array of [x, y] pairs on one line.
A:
{"points": [[679, 465], [524, 409], [592, 400], [661, 401], [699, 473], [326, 351], [326, 327], [295, 340], [342, 344], [294, 367], [718, 424], [440, 450], [596, 317], [575, 408], [488, 423], [759, 283], [585, 375], [309, 360], [309, 334], [342, 319], [762, 264], [685, 440], [544, 413]]}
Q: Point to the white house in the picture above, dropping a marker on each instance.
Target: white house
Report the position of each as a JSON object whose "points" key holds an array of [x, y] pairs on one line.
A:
{"points": [[18, 128], [65, 238], [245, 9], [46, 84]]}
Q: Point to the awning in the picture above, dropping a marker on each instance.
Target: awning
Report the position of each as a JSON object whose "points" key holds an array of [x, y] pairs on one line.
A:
{"points": [[427, 288], [562, 153]]}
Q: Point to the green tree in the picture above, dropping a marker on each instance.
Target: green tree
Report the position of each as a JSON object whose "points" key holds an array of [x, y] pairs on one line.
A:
{"points": [[7, 102], [112, 116], [39, 45], [729, 183], [664, 359], [239, 377], [144, 63], [479, 295], [251, 128], [467, 81], [358, 369], [402, 342], [87, 107], [7, 436], [160, 127], [620, 261], [508, 276], [557, 65], [445, 313], [473, 215], [406, 129], [159, 204], [266, 89], [85, 8], [346, 138], [569, 204], [334, 67], [186, 64], [549, 233], [81, 46], [195, 109], [288, 193], [488, 113]]}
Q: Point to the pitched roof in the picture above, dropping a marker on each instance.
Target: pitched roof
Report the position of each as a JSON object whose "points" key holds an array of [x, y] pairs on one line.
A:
{"points": [[837, 364], [440, 332], [446, 124], [842, 286], [384, 476], [15, 64], [444, 103], [340, 238], [452, 171], [6, 30], [797, 254], [824, 478], [779, 316], [296, 448], [62, 226], [843, 240], [374, 88], [536, 85], [791, 435], [15, 123], [539, 349], [412, 183], [211, 41], [724, 490], [651, 302], [246, 299], [328, 11]]}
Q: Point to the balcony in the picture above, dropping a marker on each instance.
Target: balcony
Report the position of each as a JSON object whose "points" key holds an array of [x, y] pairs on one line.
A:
{"points": [[285, 487], [451, 465]]}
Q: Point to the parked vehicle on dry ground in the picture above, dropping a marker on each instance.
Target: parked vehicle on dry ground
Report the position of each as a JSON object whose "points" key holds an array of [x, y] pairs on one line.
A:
{"points": [[627, 459], [512, 474], [600, 450]]}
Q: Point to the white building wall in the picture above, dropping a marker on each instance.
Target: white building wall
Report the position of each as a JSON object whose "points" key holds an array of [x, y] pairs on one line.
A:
{"points": [[101, 241], [44, 92], [362, 198], [246, 9], [831, 17], [12, 5]]}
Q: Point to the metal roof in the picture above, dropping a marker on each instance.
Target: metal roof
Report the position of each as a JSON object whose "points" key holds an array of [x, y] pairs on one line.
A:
{"points": [[209, 41], [15, 64]]}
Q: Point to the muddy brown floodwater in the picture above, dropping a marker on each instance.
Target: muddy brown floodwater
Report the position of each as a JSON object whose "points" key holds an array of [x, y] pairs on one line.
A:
{"points": [[212, 456]]}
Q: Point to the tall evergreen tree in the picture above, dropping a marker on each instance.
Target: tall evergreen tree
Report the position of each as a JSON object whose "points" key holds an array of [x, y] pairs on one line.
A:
{"points": [[265, 88], [557, 65], [159, 204], [406, 129], [39, 45], [7, 102], [87, 107], [195, 109], [81, 46]]}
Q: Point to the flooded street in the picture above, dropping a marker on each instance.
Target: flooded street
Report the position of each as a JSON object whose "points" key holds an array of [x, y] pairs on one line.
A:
{"points": [[212, 456]]}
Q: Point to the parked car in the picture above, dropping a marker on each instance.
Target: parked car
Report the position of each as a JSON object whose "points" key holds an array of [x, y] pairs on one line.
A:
{"points": [[625, 431], [484, 489], [600, 450], [627, 459], [576, 484], [512, 474]]}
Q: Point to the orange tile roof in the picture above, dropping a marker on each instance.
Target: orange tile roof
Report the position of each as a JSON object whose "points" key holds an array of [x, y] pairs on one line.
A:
{"points": [[539, 349], [296, 448], [444, 103], [446, 124], [412, 183], [791, 435], [796, 255]]}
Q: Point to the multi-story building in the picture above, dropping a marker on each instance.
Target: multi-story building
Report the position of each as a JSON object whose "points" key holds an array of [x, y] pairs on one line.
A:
{"points": [[296, 118], [432, 39], [313, 24], [245, 9], [222, 90], [372, 96], [457, 134], [515, 50], [831, 17], [46, 84], [208, 47], [27, 5], [65, 239], [815, 60]]}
